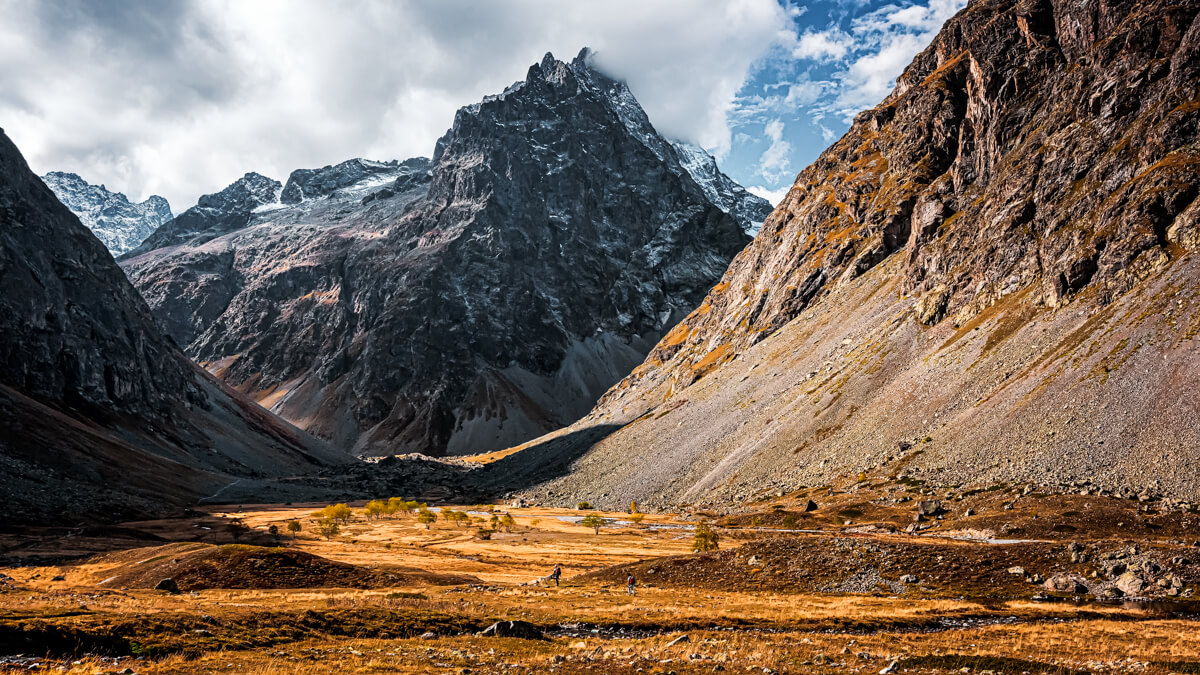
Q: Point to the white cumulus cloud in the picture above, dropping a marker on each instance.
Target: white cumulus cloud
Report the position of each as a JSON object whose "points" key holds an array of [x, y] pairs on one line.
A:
{"points": [[180, 97], [775, 162]]}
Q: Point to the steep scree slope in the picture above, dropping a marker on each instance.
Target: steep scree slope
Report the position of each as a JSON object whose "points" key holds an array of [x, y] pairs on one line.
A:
{"points": [[463, 303], [1000, 257], [102, 416]]}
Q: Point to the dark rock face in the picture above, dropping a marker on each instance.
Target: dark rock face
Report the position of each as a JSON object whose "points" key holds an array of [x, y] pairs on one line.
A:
{"points": [[116, 222], [513, 629], [992, 274], [463, 304], [97, 407]]}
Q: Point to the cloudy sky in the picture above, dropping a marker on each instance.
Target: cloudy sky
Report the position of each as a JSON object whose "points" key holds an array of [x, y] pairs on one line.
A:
{"points": [[181, 97]]}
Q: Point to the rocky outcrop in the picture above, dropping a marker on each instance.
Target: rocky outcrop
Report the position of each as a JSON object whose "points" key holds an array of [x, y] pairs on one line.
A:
{"points": [[314, 183], [119, 224], [997, 263], [102, 415], [458, 304]]}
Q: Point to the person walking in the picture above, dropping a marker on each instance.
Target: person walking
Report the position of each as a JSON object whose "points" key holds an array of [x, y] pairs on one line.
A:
{"points": [[631, 585], [556, 573]]}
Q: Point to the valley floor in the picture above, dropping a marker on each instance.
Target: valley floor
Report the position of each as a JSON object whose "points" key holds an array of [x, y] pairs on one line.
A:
{"points": [[838, 588]]}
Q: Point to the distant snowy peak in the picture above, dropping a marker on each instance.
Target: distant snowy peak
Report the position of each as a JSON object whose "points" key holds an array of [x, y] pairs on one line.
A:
{"points": [[748, 209], [120, 224]]}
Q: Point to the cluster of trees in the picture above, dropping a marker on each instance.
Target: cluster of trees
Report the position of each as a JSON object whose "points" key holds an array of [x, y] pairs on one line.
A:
{"points": [[378, 508]]}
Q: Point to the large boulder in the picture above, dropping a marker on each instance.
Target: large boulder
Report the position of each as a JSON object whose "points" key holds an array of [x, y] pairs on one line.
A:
{"points": [[1131, 584], [1065, 583]]}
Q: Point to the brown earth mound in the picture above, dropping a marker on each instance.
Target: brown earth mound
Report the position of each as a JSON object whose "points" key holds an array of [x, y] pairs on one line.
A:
{"points": [[896, 565], [201, 566]]}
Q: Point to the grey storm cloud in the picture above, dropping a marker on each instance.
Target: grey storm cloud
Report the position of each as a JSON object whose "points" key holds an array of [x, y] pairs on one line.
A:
{"points": [[179, 97]]}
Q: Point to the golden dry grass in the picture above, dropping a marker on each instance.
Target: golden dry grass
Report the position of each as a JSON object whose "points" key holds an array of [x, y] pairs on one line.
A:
{"points": [[296, 631]]}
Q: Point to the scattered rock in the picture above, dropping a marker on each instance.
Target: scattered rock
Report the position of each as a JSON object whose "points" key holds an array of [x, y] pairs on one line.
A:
{"points": [[929, 508], [810, 506], [1065, 583], [908, 579], [169, 586], [679, 640], [514, 629]]}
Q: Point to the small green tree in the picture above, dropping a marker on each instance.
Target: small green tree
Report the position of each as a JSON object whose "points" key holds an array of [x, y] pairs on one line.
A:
{"points": [[375, 509], [508, 522], [274, 532], [637, 518], [328, 527], [293, 528], [237, 527], [395, 505], [426, 517], [633, 507], [594, 521], [495, 522], [706, 539]]}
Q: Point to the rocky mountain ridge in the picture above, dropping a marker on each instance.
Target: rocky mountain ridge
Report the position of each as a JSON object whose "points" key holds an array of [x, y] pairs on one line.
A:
{"points": [[120, 224], [991, 277], [462, 303], [103, 417]]}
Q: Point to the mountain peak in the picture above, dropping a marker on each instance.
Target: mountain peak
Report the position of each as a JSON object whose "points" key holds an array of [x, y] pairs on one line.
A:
{"points": [[553, 207]]}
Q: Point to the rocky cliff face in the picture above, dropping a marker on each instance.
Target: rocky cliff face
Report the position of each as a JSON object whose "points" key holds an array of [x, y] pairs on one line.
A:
{"points": [[118, 223], [999, 257], [458, 304], [102, 416]]}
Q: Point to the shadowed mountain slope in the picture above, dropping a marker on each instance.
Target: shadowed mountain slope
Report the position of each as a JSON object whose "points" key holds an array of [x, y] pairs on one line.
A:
{"points": [[102, 415]]}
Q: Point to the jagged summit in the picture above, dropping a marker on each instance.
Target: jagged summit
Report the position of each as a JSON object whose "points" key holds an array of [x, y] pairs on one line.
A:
{"points": [[748, 209], [118, 223], [456, 304]]}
